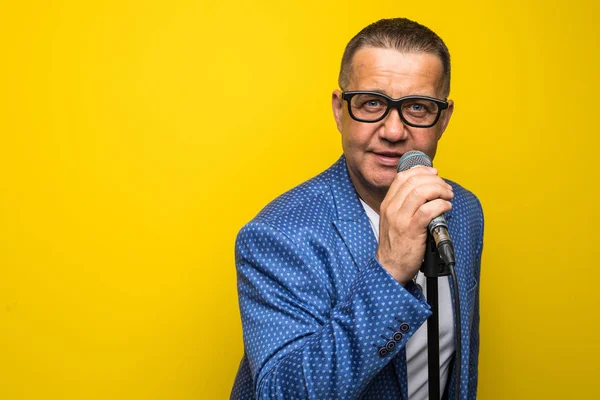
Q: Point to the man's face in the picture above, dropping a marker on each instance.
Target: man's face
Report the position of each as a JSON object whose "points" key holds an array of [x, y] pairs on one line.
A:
{"points": [[373, 150]]}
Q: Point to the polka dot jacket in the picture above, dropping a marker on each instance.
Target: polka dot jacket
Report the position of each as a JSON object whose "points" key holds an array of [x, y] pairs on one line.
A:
{"points": [[322, 319]]}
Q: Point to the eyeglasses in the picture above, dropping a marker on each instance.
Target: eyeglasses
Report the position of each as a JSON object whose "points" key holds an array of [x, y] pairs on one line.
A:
{"points": [[415, 111]]}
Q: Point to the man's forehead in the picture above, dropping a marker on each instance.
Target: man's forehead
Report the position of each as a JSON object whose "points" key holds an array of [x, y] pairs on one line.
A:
{"points": [[381, 67], [374, 57]]}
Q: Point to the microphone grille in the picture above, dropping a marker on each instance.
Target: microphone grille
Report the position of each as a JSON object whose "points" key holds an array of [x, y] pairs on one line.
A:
{"points": [[412, 159]]}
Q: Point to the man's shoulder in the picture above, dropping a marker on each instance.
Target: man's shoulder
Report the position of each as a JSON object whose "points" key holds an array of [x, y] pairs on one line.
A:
{"points": [[465, 201], [466, 217], [306, 203]]}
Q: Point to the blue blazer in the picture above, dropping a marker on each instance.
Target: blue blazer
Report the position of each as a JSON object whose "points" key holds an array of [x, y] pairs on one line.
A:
{"points": [[322, 319]]}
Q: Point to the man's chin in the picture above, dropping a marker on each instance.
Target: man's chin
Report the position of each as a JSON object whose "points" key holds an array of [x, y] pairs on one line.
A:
{"points": [[374, 179], [381, 184], [383, 178]]}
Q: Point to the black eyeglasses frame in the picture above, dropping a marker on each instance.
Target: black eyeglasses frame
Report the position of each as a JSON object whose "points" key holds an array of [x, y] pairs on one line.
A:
{"points": [[394, 103]]}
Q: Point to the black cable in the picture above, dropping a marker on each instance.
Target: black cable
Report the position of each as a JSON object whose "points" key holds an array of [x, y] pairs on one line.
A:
{"points": [[457, 333]]}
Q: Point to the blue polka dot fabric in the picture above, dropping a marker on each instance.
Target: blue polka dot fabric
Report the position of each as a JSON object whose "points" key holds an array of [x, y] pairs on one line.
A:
{"points": [[322, 319]]}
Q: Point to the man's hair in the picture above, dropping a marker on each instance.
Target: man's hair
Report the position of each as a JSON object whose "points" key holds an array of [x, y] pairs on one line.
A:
{"points": [[399, 34]]}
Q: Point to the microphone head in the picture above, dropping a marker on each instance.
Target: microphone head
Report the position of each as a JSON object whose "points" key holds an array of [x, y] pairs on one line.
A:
{"points": [[412, 159]]}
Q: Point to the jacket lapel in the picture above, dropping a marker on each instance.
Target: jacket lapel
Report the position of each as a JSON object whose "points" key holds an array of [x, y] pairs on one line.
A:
{"points": [[351, 220]]}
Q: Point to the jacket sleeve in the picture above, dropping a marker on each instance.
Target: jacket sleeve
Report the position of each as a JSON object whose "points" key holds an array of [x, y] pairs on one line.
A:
{"points": [[300, 342]]}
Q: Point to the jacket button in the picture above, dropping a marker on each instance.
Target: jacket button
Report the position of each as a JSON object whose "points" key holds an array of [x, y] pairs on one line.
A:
{"points": [[404, 328], [397, 337], [383, 352], [391, 345]]}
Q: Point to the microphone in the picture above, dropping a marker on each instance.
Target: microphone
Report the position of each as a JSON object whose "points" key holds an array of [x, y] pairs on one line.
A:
{"points": [[437, 227]]}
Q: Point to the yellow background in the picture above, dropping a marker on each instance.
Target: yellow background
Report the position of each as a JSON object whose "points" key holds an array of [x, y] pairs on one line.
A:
{"points": [[137, 137]]}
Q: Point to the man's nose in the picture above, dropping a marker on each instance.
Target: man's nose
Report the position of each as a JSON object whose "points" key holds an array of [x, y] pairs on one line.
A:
{"points": [[393, 128]]}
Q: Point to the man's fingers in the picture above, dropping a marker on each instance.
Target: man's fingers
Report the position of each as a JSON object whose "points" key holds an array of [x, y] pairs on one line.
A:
{"points": [[403, 176], [429, 211], [415, 194], [426, 193]]}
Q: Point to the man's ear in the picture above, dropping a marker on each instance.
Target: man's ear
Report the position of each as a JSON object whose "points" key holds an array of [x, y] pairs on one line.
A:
{"points": [[445, 117], [337, 105]]}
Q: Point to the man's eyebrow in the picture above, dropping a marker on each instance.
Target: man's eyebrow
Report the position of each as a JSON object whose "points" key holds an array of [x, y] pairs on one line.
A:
{"points": [[374, 90], [377, 90]]}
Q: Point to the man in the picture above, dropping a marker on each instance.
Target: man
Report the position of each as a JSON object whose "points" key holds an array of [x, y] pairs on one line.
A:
{"points": [[328, 274]]}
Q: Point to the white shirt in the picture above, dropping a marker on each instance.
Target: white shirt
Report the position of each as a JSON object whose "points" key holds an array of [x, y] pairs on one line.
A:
{"points": [[416, 347]]}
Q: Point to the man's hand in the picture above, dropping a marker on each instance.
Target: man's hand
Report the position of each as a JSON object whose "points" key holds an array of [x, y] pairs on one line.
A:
{"points": [[415, 197]]}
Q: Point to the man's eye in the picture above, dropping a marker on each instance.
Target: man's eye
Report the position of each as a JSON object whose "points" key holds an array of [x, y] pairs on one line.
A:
{"points": [[373, 103], [417, 107]]}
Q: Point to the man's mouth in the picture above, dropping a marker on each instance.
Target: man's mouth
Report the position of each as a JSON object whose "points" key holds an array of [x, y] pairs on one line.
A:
{"points": [[388, 159]]}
